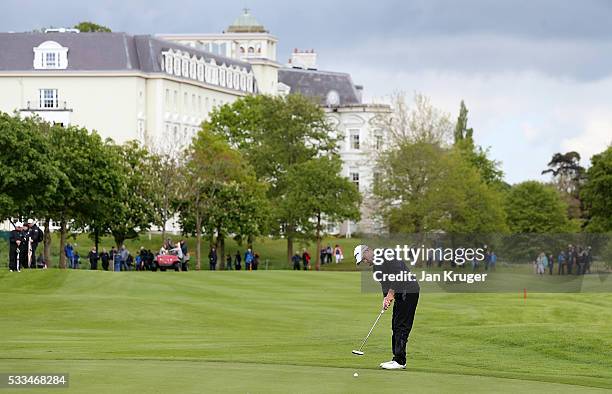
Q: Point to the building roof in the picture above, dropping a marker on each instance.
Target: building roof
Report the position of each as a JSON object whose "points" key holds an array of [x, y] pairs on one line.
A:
{"points": [[98, 51], [246, 23], [319, 84]]}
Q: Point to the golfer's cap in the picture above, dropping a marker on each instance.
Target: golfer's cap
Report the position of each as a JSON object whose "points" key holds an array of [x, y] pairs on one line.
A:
{"points": [[18, 224], [30, 221], [358, 253]]}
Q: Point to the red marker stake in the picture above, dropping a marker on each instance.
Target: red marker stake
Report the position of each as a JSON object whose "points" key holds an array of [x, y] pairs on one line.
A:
{"points": [[524, 293]]}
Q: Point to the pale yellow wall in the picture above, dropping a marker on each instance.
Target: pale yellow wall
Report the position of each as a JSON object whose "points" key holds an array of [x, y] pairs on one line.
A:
{"points": [[106, 104], [113, 105]]}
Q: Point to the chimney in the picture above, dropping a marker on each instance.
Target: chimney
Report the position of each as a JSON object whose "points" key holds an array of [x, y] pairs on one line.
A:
{"points": [[359, 91], [306, 59]]}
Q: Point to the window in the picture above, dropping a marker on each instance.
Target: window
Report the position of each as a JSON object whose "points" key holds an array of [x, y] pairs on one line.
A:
{"points": [[355, 139], [175, 100], [199, 103], [50, 55], [48, 98], [50, 60], [193, 103], [167, 97], [378, 141], [354, 176], [185, 102]]}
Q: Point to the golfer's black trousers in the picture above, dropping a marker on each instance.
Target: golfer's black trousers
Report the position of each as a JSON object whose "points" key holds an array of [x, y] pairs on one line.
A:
{"points": [[404, 308]]}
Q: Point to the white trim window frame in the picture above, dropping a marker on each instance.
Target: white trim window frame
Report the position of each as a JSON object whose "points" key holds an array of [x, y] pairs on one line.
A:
{"points": [[48, 98]]}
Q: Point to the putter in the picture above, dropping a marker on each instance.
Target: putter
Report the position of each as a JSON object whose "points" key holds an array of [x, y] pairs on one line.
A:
{"points": [[360, 351]]}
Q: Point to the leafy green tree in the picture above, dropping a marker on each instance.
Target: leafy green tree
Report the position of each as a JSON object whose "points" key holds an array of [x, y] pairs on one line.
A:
{"points": [[133, 209], [167, 181], [275, 134], [87, 180], [597, 192], [27, 172], [479, 158], [568, 176], [90, 27], [317, 192], [217, 185], [424, 188], [532, 207]]}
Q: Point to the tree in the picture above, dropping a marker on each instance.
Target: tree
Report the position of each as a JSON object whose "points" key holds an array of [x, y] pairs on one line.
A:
{"points": [[568, 176], [90, 27], [217, 187], [476, 155], [275, 134], [597, 192], [167, 181], [425, 188], [87, 180], [421, 123], [532, 207], [133, 210], [27, 172], [317, 192]]}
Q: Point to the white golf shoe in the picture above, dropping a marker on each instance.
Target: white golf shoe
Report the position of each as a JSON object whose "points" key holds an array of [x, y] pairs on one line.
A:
{"points": [[386, 362], [392, 365]]}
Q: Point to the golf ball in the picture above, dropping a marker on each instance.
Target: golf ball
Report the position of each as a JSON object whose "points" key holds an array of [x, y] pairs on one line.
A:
{"points": [[355, 374]]}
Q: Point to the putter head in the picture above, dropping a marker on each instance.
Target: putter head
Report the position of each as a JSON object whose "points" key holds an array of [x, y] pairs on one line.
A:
{"points": [[357, 352]]}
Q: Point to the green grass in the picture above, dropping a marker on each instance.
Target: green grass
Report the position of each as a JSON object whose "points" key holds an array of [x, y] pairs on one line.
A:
{"points": [[281, 331]]}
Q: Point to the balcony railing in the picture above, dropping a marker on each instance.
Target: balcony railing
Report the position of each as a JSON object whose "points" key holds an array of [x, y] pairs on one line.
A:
{"points": [[46, 105]]}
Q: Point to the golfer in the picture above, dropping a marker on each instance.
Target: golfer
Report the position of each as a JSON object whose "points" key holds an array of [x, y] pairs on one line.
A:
{"points": [[405, 293]]}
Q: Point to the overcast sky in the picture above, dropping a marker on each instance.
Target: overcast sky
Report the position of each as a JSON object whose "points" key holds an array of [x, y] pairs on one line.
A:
{"points": [[536, 75]]}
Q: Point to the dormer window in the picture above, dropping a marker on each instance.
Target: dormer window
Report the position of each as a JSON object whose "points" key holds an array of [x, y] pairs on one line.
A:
{"points": [[50, 56]]}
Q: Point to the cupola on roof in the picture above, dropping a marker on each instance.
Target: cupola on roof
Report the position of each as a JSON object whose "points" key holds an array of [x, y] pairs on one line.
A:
{"points": [[246, 23]]}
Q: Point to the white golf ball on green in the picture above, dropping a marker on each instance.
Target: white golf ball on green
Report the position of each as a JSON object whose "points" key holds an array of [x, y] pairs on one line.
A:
{"points": [[355, 374]]}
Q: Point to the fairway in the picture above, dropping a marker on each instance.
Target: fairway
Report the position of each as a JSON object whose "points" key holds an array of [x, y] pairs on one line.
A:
{"points": [[283, 331]]}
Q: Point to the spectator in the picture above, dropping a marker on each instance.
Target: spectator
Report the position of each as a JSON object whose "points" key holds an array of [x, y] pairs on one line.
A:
{"points": [[551, 263], [185, 250], [541, 263], [248, 259], [76, 259], [339, 254], [34, 236], [237, 261], [93, 258], [561, 262], [129, 262], [212, 259], [112, 254], [228, 262], [328, 253], [255, 263], [492, 260], [69, 253], [323, 255], [305, 259], [40, 262], [117, 262], [296, 261], [138, 262], [123, 257], [571, 258], [15, 247], [105, 258]]}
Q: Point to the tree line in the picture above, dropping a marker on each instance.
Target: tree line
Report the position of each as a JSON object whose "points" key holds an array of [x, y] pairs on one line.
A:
{"points": [[260, 166]]}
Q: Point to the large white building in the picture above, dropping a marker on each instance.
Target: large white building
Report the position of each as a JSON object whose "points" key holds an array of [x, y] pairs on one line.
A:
{"points": [[158, 90]]}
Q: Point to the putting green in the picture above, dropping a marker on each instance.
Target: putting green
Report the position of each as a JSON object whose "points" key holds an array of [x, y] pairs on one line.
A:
{"points": [[280, 331]]}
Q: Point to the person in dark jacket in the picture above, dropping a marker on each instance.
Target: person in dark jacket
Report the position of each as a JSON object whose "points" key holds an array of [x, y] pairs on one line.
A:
{"points": [[212, 259], [35, 236], [16, 241], [296, 262], [105, 257], [238, 261], [93, 258], [305, 259], [228, 262], [403, 294]]}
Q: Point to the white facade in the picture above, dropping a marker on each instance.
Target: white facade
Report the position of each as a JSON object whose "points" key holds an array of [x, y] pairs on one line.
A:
{"points": [[360, 138]]}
